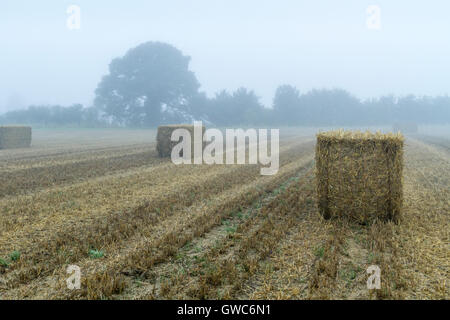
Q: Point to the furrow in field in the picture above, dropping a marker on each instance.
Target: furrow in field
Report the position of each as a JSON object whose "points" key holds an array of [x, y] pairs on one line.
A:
{"points": [[36, 178], [71, 239], [30, 155], [287, 271], [113, 227], [423, 237], [231, 256], [94, 195], [56, 143], [47, 207], [152, 250], [48, 160], [28, 180], [67, 237]]}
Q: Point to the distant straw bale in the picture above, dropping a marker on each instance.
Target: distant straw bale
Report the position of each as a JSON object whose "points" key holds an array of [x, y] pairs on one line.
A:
{"points": [[164, 144], [15, 137], [359, 175]]}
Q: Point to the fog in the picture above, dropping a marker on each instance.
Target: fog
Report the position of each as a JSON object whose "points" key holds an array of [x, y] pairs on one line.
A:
{"points": [[256, 44]]}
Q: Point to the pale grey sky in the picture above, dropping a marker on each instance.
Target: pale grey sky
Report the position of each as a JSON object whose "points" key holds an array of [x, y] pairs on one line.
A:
{"points": [[258, 44]]}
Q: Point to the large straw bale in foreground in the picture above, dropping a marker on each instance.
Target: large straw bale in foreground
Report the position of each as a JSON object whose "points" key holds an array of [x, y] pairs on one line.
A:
{"points": [[164, 144], [359, 175], [15, 137]]}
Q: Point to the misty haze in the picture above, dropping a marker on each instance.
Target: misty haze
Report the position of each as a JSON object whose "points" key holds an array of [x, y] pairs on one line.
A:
{"points": [[250, 150]]}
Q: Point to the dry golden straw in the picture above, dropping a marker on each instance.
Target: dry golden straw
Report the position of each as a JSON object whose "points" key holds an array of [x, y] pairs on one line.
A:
{"points": [[15, 137], [359, 175]]}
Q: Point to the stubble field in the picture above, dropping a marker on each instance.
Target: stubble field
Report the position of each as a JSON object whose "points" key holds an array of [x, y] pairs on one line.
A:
{"points": [[140, 227]]}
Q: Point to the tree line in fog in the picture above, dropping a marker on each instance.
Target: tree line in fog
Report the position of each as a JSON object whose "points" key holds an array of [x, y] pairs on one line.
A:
{"points": [[152, 85]]}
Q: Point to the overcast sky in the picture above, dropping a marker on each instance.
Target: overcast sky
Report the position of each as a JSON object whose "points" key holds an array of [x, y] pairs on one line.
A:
{"points": [[258, 44]]}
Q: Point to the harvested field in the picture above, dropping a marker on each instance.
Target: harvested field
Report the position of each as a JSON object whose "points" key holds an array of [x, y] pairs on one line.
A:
{"points": [[140, 227]]}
